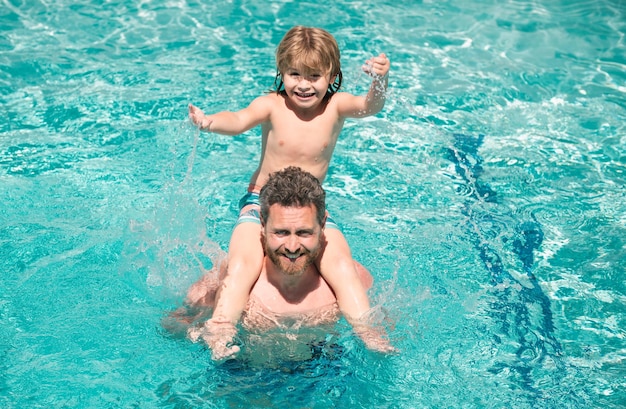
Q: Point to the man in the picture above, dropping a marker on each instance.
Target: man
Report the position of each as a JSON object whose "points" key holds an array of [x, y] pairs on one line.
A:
{"points": [[290, 292]]}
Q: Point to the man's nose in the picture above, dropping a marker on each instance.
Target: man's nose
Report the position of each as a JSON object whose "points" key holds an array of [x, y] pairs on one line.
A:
{"points": [[292, 245]]}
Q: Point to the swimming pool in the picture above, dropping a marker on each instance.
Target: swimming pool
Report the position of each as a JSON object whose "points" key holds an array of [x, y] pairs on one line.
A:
{"points": [[487, 199]]}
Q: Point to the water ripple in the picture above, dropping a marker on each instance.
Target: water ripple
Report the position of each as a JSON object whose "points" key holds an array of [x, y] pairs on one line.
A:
{"points": [[92, 152]]}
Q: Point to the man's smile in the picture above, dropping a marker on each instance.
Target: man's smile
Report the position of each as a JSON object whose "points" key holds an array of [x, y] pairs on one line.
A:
{"points": [[294, 256]]}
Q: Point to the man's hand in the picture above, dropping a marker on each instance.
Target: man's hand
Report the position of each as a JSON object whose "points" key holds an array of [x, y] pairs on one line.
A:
{"points": [[370, 328], [218, 335], [374, 339]]}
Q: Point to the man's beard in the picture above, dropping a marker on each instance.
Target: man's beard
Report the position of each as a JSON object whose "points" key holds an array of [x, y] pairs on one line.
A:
{"points": [[292, 268]]}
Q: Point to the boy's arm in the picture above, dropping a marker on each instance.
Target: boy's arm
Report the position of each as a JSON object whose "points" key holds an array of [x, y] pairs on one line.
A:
{"points": [[233, 123], [353, 106]]}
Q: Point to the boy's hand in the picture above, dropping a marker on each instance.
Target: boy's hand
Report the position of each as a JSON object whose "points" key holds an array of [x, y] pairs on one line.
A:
{"points": [[377, 66], [199, 119]]}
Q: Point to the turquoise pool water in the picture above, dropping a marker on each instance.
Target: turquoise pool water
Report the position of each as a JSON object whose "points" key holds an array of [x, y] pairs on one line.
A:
{"points": [[487, 199]]}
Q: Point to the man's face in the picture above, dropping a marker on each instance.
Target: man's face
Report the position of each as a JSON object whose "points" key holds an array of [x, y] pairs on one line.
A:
{"points": [[292, 237]]}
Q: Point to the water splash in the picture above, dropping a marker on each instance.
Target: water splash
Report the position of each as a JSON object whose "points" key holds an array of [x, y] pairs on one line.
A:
{"points": [[171, 249]]}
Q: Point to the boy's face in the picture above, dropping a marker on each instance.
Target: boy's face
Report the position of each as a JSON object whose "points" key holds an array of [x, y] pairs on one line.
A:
{"points": [[306, 89]]}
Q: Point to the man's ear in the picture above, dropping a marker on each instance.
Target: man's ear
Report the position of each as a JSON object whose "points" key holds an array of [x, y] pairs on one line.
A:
{"points": [[325, 217], [262, 233]]}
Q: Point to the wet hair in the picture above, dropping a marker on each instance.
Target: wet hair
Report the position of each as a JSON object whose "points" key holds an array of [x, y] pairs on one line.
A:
{"points": [[309, 49], [293, 187]]}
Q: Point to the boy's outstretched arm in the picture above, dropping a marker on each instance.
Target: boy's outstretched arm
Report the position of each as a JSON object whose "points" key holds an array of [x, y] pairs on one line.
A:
{"points": [[361, 106], [378, 68], [232, 123]]}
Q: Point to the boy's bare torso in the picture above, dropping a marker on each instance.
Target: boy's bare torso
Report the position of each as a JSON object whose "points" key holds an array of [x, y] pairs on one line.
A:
{"points": [[295, 138]]}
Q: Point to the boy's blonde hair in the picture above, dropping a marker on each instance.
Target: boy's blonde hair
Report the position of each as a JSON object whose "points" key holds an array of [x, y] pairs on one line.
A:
{"points": [[309, 49]]}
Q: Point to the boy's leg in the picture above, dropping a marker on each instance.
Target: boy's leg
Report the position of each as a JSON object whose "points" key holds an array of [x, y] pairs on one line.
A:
{"points": [[198, 304], [245, 259], [338, 269], [349, 280]]}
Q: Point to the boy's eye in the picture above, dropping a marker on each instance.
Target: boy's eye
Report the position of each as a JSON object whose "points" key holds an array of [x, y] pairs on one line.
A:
{"points": [[310, 77]]}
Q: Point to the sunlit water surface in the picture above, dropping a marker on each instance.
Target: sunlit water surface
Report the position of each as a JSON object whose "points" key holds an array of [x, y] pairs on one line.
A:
{"points": [[487, 199]]}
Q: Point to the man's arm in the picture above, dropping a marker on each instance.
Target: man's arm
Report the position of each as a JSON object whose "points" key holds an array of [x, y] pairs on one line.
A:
{"points": [[233, 123]]}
